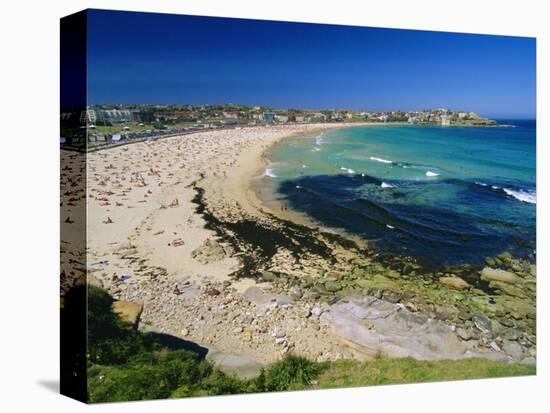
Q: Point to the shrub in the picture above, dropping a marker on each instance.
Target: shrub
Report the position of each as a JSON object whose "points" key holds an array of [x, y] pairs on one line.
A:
{"points": [[290, 373], [110, 340]]}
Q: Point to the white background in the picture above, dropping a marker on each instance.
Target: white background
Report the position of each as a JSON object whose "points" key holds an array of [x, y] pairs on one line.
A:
{"points": [[29, 173]]}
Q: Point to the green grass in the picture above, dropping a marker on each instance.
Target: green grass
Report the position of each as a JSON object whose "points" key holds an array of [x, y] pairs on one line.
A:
{"points": [[112, 129], [134, 127], [346, 373]]}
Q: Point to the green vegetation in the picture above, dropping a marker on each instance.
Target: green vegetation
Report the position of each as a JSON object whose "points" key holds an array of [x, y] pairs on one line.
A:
{"points": [[109, 129], [125, 364], [346, 373], [111, 340], [291, 373]]}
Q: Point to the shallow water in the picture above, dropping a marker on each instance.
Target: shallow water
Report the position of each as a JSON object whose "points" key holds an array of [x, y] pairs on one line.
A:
{"points": [[448, 195]]}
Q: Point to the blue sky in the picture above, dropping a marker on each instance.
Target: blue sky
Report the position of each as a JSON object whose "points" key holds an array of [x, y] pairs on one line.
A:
{"points": [[160, 58]]}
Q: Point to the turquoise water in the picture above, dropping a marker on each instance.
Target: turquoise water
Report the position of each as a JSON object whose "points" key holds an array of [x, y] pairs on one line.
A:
{"points": [[446, 195]]}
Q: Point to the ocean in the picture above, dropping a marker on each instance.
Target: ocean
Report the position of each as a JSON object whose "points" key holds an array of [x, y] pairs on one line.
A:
{"points": [[446, 195]]}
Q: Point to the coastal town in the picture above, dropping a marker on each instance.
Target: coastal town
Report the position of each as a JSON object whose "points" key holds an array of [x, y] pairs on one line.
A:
{"points": [[111, 123]]}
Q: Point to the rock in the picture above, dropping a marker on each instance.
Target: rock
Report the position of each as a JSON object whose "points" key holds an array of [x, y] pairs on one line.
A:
{"points": [[505, 257], [464, 315], [491, 274], [446, 312], [304, 312], [494, 346], [529, 361], [283, 300], [513, 334], [94, 281], [128, 312], [454, 283], [490, 262], [362, 283], [513, 349], [393, 274], [392, 297], [335, 276], [209, 251], [506, 322], [332, 286], [375, 327], [316, 312], [257, 296], [212, 292], [482, 323], [376, 292], [295, 293], [407, 269], [465, 333], [411, 306], [239, 365], [246, 336], [278, 333], [319, 289], [507, 289], [269, 276]]}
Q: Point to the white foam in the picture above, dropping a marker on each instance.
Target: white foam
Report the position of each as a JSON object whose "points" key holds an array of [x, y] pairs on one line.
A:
{"points": [[385, 185], [430, 173], [319, 140], [269, 172], [348, 170], [304, 166], [389, 226], [298, 187], [481, 183], [380, 160], [522, 196]]}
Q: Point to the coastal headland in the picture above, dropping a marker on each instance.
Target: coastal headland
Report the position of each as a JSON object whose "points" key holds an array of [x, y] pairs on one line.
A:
{"points": [[175, 227]]}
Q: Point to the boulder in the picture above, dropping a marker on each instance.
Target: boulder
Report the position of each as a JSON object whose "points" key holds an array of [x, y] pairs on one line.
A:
{"points": [[507, 289], [465, 333], [283, 300], [373, 327], [128, 312], [482, 323], [492, 274], [261, 299], [513, 349], [513, 334], [295, 293], [454, 283], [268, 276], [393, 274], [240, 365]]}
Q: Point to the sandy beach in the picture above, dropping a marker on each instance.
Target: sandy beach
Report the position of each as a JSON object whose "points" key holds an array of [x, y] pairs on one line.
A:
{"points": [[142, 224], [174, 225]]}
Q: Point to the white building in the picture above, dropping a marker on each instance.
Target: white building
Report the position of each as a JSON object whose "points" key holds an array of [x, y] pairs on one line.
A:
{"points": [[88, 116]]}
